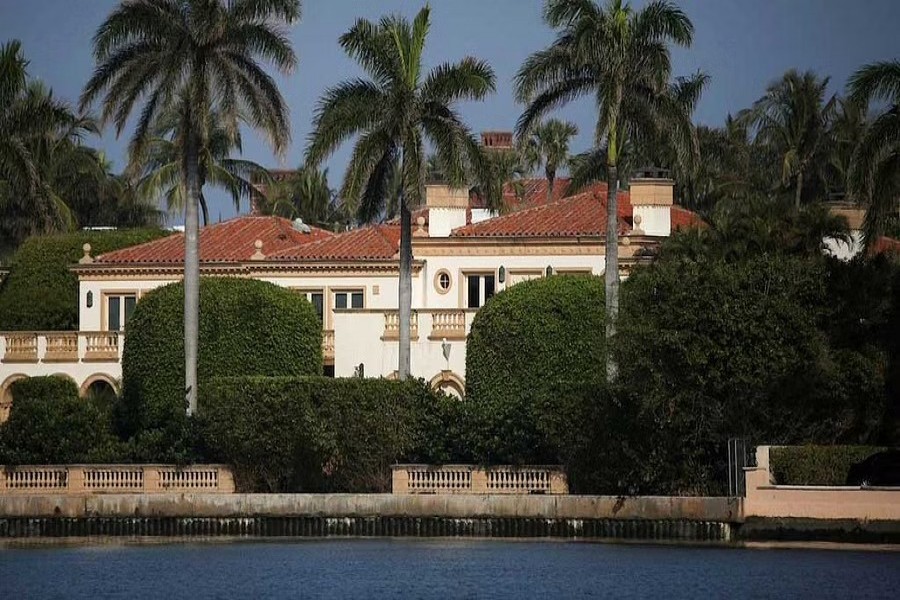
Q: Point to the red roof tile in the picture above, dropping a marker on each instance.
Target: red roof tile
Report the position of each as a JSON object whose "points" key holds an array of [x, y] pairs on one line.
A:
{"points": [[229, 241], [376, 242], [683, 218], [886, 245]]}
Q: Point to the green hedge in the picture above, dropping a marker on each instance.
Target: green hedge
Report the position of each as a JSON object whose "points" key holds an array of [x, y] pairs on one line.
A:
{"points": [[50, 424], [41, 293], [816, 465], [247, 327], [525, 342], [319, 434]]}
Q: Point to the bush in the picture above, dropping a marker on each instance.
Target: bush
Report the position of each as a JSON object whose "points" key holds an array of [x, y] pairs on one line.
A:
{"points": [[816, 465], [525, 342], [319, 434], [50, 424], [41, 293], [247, 327], [712, 350]]}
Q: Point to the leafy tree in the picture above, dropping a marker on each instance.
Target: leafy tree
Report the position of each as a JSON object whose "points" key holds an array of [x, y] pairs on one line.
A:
{"points": [[394, 113], [794, 118], [196, 57], [305, 195], [548, 145], [621, 58], [875, 166]]}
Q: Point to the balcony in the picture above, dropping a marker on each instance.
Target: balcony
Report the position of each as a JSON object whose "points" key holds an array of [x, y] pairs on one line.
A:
{"points": [[328, 346], [61, 347], [392, 326]]}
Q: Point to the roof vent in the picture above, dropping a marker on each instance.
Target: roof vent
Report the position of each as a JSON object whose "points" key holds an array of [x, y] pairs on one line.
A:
{"points": [[300, 226]]}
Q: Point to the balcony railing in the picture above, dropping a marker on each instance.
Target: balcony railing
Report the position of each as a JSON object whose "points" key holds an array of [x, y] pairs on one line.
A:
{"points": [[392, 326], [471, 479], [115, 479], [61, 346], [328, 345], [448, 324]]}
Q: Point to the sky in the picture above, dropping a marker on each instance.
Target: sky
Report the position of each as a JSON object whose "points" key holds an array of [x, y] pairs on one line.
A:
{"points": [[742, 45]]}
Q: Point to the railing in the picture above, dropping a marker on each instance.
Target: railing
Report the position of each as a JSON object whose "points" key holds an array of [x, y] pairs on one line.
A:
{"points": [[328, 345], [116, 479], [60, 347], [471, 479], [392, 325], [448, 324]]}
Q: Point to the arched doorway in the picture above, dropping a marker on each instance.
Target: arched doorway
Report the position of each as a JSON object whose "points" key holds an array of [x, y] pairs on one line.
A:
{"points": [[100, 385], [450, 383], [6, 394]]}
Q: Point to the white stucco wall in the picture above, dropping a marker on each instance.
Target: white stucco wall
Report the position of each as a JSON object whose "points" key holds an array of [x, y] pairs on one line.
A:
{"points": [[654, 220]]}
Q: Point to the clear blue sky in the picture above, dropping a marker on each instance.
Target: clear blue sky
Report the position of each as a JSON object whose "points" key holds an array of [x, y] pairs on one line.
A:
{"points": [[741, 44]]}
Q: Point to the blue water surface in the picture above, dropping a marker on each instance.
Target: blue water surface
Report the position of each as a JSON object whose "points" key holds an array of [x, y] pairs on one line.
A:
{"points": [[441, 568]]}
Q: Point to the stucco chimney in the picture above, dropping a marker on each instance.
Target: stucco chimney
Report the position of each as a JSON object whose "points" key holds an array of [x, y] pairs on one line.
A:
{"points": [[652, 197], [446, 209]]}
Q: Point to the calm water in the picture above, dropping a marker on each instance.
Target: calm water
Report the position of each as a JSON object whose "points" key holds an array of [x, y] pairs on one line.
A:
{"points": [[442, 569]]}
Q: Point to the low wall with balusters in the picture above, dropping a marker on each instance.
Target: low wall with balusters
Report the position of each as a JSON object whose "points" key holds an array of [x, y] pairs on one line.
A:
{"points": [[472, 479], [115, 479]]}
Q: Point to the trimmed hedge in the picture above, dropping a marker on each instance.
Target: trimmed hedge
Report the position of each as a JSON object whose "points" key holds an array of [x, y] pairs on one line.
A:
{"points": [[50, 424], [319, 434], [816, 465], [524, 343], [41, 293], [247, 327]]}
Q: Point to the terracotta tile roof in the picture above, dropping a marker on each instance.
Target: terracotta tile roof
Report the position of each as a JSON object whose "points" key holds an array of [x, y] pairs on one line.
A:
{"points": [[579, 215], [229, 241], [376, 242], [683, 218], [886, 245]]}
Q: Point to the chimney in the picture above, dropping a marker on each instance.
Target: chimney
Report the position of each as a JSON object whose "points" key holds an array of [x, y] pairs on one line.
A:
{"points": [[652, 197], [446, 209], [497, 140]]}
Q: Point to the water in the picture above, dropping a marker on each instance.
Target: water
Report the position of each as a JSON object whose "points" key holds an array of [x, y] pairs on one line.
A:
{"points": [[404, 568]]}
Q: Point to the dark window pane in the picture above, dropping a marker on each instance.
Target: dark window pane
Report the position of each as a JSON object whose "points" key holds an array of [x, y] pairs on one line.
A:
{"points": [[488, 287], [340, 300], [130, 302], [318, 302], [357, 300], [474, 296], [113, 308]]}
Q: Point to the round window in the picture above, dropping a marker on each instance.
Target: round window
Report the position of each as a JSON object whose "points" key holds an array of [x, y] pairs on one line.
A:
{"points": [[442, 281]]}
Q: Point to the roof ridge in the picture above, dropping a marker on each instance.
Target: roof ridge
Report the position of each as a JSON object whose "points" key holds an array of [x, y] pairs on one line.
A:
{"points": [[524, 212]]}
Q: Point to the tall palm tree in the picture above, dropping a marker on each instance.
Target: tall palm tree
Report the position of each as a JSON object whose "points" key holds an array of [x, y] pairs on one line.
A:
{"points": [[548, 145], [198, 55], [306, 195], [794, 117], [621, 58], [160, 164], [394, 113], [875, 167]]}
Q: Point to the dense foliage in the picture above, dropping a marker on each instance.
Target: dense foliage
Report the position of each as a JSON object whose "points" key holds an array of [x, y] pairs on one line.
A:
{"points": [[525, 343], [50, 424], [319, 434], [816, 465], [40, 270], [247, 327]]}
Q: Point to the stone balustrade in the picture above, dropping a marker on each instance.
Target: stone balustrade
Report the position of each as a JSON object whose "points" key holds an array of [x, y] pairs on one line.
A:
{"points": [[392, 325], [115, 479], [448, 324], [472, 479], [60, 346], [328, 345]]}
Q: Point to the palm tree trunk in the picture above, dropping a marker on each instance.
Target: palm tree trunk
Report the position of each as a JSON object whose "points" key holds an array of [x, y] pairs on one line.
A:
{"points": [[191, 271], [611, 276], [405, 287], [799, 191], [204, 209], [551, 179]]}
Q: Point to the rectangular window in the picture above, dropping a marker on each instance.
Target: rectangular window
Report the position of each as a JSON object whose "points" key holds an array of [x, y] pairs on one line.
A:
{"points": [[349, 299], [479, 289], [317, 299], [118, 310]]}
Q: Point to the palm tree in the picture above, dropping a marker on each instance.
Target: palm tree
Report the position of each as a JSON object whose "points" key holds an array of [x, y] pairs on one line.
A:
{"points": [[621, 58], [548, 145], [794, 118], [160, 164], [875, 167], [394, 113], [305, 195], [198, 56]]}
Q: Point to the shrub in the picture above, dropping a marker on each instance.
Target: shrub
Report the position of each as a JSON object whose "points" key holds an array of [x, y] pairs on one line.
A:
{"points": [[50, 424], [319, 434], [816, 465], [712, 350], [247, 327], [41, 293], [525, 342]]}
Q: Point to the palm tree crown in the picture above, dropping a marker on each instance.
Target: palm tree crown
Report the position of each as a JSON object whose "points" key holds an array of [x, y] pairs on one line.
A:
{"points": [[395, 113], [548, 145]]}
